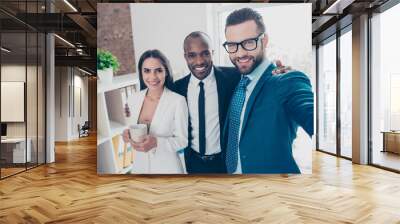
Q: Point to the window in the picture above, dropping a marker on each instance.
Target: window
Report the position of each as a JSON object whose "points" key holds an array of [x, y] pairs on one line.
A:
{"points": [[394, 102], [327, 97], [346, 94], [22, 64], [385, 88]]}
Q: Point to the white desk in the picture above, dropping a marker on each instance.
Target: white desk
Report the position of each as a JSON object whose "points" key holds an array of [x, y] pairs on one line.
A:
{"points": [[19, 149]]}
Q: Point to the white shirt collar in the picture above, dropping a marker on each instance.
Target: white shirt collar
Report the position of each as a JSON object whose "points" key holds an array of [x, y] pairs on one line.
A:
{"points": [[259, 70]]}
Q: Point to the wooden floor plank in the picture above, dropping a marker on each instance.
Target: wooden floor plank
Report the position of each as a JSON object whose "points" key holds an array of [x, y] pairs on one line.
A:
{"points": [[70, 191]]}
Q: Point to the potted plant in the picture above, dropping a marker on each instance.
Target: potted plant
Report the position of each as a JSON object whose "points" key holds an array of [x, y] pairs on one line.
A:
{"points": [[107, 64]]}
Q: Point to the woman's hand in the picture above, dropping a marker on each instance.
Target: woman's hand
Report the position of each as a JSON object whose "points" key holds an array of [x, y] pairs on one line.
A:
{"points": [[145, 146]]}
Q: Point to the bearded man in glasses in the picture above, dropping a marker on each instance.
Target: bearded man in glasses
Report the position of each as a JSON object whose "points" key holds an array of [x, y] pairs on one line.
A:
{"points": [[265, 109]]}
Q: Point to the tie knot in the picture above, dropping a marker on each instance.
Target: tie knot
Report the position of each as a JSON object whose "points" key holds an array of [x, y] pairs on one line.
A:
{"points": [[201, 84], [244, 82]]}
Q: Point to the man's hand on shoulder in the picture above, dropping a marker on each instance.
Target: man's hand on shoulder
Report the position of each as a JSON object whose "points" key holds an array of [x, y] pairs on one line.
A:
{"points": [[280, 68]]}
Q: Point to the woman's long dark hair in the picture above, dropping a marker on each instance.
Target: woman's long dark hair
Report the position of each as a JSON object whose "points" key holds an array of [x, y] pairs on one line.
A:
{"points": [[169, 83]]}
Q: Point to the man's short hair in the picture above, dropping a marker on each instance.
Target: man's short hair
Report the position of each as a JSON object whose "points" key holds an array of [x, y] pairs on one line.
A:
{"points": [[245, 14], [197, 34]]}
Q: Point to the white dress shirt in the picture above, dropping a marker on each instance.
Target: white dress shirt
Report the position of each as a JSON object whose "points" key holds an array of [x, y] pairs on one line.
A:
{"points": [[254, 76], [211, 112]]}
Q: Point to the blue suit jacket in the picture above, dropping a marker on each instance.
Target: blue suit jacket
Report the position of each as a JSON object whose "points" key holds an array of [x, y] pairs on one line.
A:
{"points": [[275, 109]]}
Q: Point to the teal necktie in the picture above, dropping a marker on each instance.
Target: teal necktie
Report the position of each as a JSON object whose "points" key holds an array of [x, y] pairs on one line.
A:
{"points": [[234, 124]]}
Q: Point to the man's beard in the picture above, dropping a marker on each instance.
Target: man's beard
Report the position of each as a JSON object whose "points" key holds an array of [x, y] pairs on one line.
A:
{"points": [[256, 61]]}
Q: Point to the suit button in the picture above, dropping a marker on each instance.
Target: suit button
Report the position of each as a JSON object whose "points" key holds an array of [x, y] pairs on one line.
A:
{"points": [[244, 157]]}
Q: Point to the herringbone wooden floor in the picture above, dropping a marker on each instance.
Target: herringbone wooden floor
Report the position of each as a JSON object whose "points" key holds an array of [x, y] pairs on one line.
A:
{"points": [[70, 191]]}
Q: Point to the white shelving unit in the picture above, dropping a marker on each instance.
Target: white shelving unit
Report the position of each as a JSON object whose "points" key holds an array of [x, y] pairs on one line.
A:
{"points": [[113, 156]]}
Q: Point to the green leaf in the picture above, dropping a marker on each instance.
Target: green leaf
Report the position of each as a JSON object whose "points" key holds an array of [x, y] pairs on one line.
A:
{"points": [[105, 59]]}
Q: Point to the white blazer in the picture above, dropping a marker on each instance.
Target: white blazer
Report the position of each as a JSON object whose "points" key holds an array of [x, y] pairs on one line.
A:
{"points": [[170, 127]]}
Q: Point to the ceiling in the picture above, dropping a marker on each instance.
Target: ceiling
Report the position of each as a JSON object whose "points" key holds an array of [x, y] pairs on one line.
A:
{"points": [[76, 22], [72, 20], [330, 15], [326, 14]]}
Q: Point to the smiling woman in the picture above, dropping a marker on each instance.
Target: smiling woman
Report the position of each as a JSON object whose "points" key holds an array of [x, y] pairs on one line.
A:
{"points": [[166, 115], [153, 62]]}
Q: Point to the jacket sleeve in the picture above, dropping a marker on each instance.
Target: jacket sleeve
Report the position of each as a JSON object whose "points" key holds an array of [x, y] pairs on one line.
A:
{"points": [[179, 138], [299, 99]]}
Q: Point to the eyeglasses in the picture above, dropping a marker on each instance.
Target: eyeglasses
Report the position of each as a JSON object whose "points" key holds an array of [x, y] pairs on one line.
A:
{"points": [[248, 44]]}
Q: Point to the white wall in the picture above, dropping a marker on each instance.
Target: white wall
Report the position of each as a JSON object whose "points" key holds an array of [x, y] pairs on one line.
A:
{"points": [[80, 83], [17, 72], [164, 27], [12, 101], [14, 72], [33, 126], [66, 121], [61, 104]]}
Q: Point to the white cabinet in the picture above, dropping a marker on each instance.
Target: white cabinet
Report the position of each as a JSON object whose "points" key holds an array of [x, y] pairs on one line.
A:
{"points": [[113, 155]]}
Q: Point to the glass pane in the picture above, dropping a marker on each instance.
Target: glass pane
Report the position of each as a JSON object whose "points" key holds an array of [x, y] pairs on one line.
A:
{"points": [[327, 97], [13, 87], [22, 63], [386, 89], [346, 94], [31, 98], [41, 99]]}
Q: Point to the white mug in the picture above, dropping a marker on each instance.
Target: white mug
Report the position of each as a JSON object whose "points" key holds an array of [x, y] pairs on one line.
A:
{"points": [[138, 132]]}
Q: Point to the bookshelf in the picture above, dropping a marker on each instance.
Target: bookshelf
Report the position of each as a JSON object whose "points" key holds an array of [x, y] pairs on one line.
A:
{"points": [[113, 155]]}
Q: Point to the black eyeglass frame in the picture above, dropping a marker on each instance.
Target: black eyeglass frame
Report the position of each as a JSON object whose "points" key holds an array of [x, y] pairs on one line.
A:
{"points": [[241, 44]]}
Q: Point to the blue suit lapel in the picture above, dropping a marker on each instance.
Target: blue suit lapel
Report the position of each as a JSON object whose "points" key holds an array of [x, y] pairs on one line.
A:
{"points": [[254, 94]]}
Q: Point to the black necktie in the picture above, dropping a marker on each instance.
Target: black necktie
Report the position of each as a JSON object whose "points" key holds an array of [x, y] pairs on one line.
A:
{"points": [[202, 121]]}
